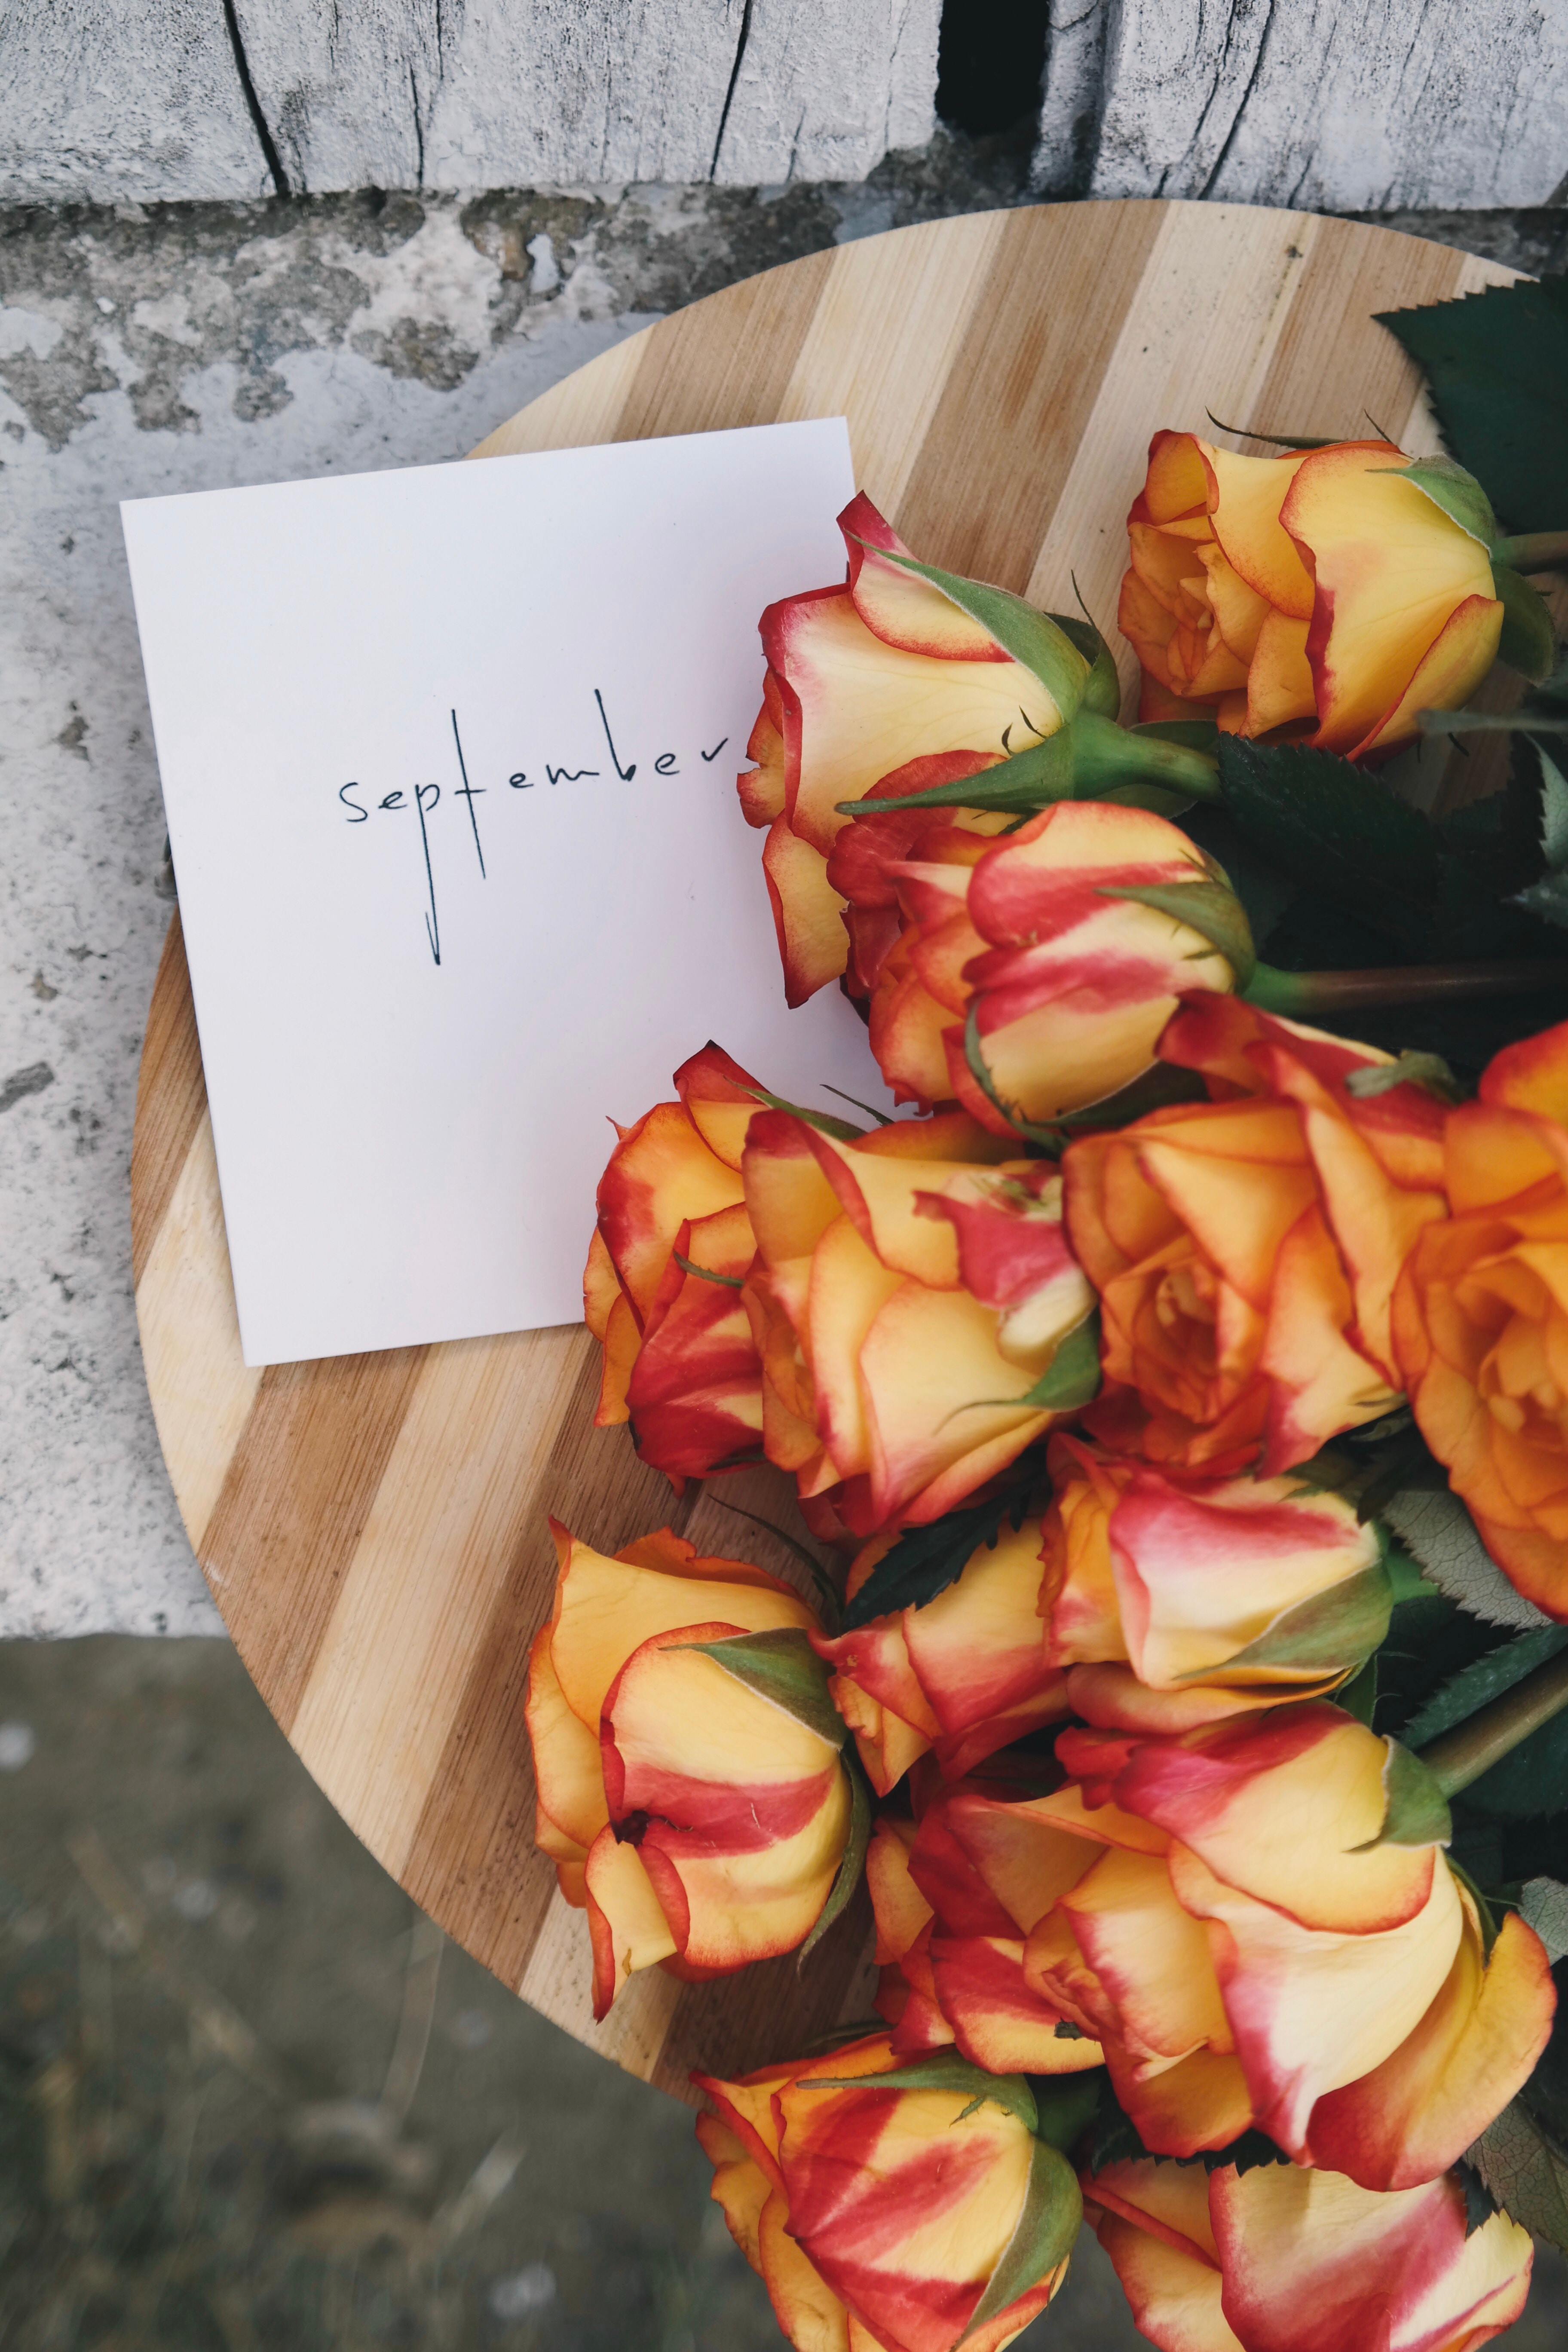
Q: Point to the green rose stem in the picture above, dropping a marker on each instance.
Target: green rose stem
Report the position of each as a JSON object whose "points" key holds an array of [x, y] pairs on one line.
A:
{"points": [[1299, 994], [1532, 551], [1462, 1755]]}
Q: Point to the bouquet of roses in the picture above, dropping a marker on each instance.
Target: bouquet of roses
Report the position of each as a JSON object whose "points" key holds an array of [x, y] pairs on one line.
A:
{"points": [[1180, 1401]]}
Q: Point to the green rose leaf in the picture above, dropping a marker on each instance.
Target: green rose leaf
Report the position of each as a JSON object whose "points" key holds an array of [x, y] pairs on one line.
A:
{"points": [[1435, 1526], [1067, 2103], [1496, 363], [1544, 1905], [1526, 2173], [1484, 1679], [1339, 830], [1042, 2239], [782, 1668], [1553, 810], [926, 1561]]}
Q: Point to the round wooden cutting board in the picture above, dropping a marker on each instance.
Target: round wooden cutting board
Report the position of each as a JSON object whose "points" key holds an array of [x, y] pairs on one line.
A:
{"points": [[373, 1526]]}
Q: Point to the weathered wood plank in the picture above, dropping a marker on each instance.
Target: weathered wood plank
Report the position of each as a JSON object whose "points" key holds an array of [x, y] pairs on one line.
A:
{"points": [[113, 101], [1329, 105], [107, 99]]}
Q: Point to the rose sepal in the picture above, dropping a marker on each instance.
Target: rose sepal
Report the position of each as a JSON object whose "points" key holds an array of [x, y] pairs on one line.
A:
{"points": [[782, 1668], [1036, 641], [1042, 2239], [854, 1862]]}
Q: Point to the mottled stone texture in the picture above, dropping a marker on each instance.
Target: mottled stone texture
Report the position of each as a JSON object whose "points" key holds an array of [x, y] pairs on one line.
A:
{"points": [[184, 347]]}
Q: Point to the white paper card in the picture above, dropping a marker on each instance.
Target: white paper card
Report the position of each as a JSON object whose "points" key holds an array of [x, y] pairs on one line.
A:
{"points": [[418, 1003]]}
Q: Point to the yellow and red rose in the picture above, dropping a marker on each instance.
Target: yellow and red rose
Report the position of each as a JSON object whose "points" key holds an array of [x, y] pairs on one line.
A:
{"points": [[1316, 592], [1175, 1601], [700, 1823], [1481, 1317], [963, 1674], [1279, 2259], [912, 1291], [679, 1361], [1071, 978], [951, 1945], [1221, 1911], [1246, 1249], [883, 681], [888, 2220]]}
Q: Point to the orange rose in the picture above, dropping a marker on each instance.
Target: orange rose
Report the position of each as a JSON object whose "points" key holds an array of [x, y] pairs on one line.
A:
{"points": [[1246, 1249], [912, 1290], [1070, 978], [691, 1791], [1481, 1316], [1173, 1601], [896, 2219], [1315, 590], [1277, 2259], [679, 1361], [964, 1674], [1221, 1911]]}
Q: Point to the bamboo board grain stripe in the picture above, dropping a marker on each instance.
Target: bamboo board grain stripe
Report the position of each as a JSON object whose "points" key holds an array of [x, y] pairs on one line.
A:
{"points": [[374, 1528]]}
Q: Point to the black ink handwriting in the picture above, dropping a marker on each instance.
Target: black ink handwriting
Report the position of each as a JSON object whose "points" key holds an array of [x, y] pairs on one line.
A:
{"points": [[467, 793], [626, 774]]}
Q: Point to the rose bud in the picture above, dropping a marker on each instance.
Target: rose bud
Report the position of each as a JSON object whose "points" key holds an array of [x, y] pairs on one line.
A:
{"points": [[1481, 1316], [904, 2219], [1277, 2259], [1318, 591], [882, 676], [679, 1358], [909, 1305], [950, 1947], [1064, 939], [964, 1674], [1268, 1932], [691, 1791], [1175, 1601], [1246, 1249]]}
